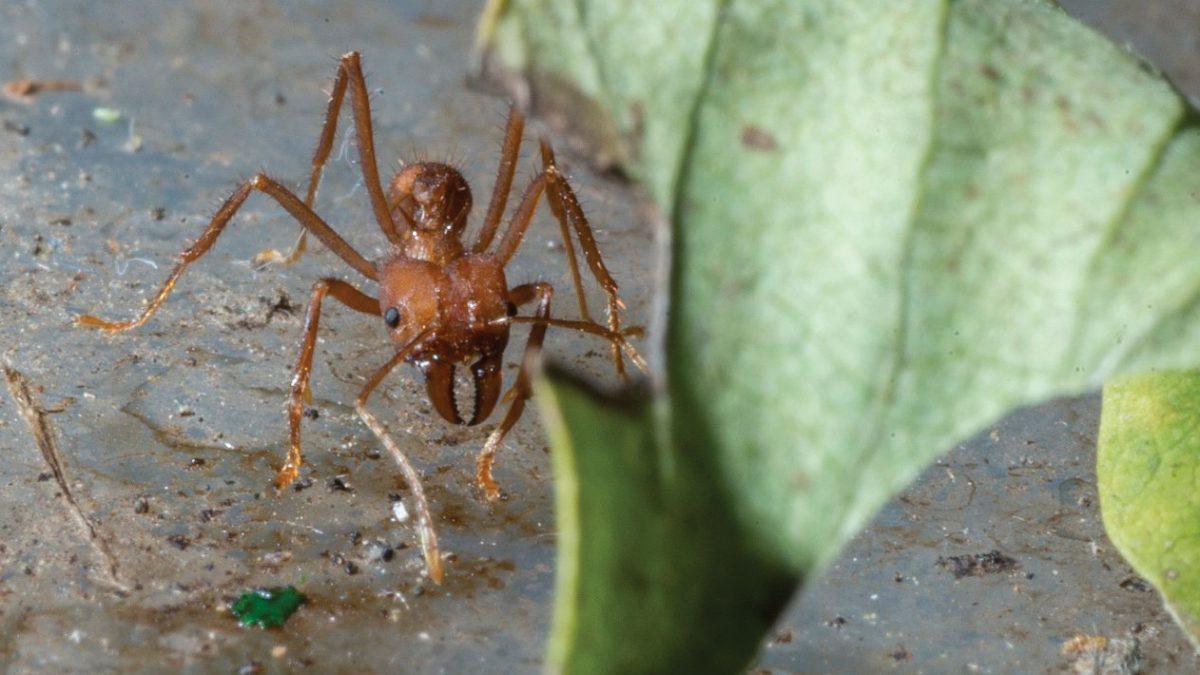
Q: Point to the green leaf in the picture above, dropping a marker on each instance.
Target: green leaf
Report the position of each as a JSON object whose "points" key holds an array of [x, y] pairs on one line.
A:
{"points": [[640, 527], [1147, 466], [892, 223]]}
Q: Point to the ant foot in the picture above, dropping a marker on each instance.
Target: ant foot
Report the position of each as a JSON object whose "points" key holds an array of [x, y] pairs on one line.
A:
{"points": [[271, 256], [89, 321], [483, 476], [286, 475]]}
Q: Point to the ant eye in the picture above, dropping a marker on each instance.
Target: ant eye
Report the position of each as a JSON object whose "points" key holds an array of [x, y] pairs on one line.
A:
{"points": [[392, 317], [512, 309]]}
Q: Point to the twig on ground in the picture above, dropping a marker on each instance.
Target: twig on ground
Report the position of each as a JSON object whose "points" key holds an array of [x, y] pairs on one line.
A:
{"points": [[43, 434], [26, 89]]}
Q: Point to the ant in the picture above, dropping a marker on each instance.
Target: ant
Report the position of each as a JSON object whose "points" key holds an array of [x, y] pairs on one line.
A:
{"points": [[443, 305]]}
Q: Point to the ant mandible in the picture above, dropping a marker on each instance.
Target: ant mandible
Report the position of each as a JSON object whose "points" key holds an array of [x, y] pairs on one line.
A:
{"points": [[442, 304]]}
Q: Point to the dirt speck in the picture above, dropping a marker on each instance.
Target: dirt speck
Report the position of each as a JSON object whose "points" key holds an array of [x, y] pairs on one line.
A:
{"points": [[1099, 655], [978, 564], [1135, 583]]}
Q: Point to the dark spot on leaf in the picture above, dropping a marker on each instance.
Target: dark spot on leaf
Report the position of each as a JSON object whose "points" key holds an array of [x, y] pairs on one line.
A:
{"points": [[757, 138]]}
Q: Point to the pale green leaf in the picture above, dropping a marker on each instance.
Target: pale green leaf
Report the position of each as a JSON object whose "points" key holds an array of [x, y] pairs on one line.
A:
{"points": [[893, 221]]}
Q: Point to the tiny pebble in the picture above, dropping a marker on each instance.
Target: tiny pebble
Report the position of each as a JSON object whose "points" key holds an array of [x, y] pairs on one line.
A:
{"points": [[400, 512], [106, 115]]}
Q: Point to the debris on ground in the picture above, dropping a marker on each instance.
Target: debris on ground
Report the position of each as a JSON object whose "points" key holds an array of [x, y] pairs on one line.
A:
{"points": [[26, 89], [268, 607], [978, 564], [1098, 655]]}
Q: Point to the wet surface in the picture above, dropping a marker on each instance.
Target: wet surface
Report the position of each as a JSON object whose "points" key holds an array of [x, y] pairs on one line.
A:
{"points": [[171, 433]]}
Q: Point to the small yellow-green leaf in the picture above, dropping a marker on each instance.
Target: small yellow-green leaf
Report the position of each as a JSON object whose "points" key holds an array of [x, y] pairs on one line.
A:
{"points": [[1148, 469]]}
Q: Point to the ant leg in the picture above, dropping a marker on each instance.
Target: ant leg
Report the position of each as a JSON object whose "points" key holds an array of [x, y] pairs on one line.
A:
{"points": [[616, 339], [521, 218], [509, 154], [569, 214], [520, 223], [292, 204], [521, 390], [360, 103], [349, 72], [429, 544], [554, 198], [320, 156], [565, 206], [301, 392]]}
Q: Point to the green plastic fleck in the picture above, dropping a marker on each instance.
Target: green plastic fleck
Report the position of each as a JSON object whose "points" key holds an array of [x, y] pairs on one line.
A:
{"points": [[268, 607]]}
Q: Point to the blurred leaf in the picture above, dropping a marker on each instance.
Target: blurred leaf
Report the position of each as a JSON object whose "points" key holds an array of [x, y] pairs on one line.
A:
{"points": [[1147, 465], [892, 223], [640, 528]]}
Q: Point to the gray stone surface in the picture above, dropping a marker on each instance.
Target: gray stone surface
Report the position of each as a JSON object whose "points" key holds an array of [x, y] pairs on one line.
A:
{"points": [[188, 410], [185, 414]]}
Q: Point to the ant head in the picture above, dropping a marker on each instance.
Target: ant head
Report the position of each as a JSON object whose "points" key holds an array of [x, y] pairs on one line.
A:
{"points": [[408, 297], [463, 309], [437, 195]]}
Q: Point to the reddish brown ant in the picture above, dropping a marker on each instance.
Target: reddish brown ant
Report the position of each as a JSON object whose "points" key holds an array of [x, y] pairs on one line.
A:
{"points": [[443, 305]]}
